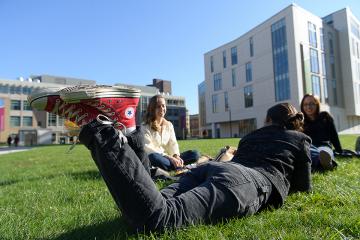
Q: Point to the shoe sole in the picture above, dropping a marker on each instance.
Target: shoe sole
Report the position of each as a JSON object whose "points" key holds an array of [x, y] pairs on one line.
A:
{"points": [[325, 160], [85, 92], [44, 92]]}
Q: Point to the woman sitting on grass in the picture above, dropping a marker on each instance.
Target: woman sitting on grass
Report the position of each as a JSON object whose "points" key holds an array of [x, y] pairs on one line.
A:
{"points": [[269, 163], [319, 126], [160, 140]]}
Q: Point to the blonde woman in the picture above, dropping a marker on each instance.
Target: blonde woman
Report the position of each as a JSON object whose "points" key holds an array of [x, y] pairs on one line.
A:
{"points": [[160, 140]]}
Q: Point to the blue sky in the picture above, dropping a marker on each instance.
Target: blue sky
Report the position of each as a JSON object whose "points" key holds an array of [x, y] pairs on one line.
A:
{"points": [[114, 41]]}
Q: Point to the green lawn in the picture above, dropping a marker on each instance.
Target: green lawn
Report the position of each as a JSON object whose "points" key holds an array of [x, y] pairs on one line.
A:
{"points": [[46, 193]]}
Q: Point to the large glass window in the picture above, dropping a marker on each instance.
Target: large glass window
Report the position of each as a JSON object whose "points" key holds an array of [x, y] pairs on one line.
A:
{"points": [[248, 96], [52, 120], [226, 101], [315, 82], [233, 77], [314, 61], [234, 59], [322, 39], [280, 60], [212, 63], [26, 106], [251, 43], [27, 121], [15, 105], [224, 58], [312, 34], [217, 82], [61, 121], [326, 94], [215, 103], [334, 92], [323, 64], [248, 71], [4, 89], [331, 43], [355, 28], [14, 121]]}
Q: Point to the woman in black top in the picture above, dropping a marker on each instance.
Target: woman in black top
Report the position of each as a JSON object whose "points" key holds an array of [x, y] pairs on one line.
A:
{"points": [[321, 129]]}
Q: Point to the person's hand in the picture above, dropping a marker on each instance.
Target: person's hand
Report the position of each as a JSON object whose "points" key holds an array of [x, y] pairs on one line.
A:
{"points": [[176, 161]]}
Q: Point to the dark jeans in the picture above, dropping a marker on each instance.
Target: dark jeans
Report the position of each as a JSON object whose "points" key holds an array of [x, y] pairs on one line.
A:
{"points": [[158, 160], [209, 192]]}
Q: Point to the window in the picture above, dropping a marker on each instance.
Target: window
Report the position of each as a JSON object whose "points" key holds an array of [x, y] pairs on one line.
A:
{"points": [[212, 63], [61, 121], [331, 43], [226, 100], [280, 60], [14, 121], [251, 43], [334, 91], [224, 58], [215, 103], [26, 90], [52, 119], [248, 72], [217, 82], [314, 61], [322, 39], [15, 105], [312, 34], [246, 126], [26, 106], [234, 59], [315, 82], [355, 28], [4, 89], [326, 94], [248, 96], [323, 64], [233, 77], [27, 121]]}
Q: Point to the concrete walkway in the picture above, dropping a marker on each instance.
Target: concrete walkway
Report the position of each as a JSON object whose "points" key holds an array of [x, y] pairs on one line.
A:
{"points": [[5, 149]]}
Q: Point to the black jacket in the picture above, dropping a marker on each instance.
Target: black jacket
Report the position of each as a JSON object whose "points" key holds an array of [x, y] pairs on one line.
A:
{"points": [[283, 156], [322, 131]]}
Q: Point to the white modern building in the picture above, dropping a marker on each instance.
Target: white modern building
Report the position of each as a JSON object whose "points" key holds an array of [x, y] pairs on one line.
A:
{"points": [[292, 53]]}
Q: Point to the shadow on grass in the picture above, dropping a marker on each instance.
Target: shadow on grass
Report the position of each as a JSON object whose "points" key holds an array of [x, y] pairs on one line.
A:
{"points": [[82, 176], [86, 175], [114, 229]]}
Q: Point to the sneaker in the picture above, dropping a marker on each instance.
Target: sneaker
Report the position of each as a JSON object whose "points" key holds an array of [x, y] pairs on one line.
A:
{"points": [[48, 99], [325, 160], [117, 103]]}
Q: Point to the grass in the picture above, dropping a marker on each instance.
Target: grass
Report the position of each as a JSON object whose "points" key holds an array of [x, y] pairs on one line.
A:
{"points": [[46, 193]]}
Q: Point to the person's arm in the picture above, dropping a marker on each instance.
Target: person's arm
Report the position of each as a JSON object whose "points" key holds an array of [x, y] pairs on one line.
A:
{"points": [[301, 179], [172, 147]]}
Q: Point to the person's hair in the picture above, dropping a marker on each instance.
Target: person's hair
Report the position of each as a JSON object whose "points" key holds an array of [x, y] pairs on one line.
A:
{"points": [[286, 116], [150, 115], [317, 104]]}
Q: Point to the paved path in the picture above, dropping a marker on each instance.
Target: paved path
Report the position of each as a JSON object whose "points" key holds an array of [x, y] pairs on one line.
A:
{"points": [[5, 150]]}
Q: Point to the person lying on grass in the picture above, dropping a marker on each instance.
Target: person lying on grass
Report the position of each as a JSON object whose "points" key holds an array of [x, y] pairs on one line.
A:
{"points": [[269, 163]]}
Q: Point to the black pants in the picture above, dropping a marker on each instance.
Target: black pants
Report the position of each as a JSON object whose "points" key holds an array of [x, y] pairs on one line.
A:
{"points": [[209, 192]]}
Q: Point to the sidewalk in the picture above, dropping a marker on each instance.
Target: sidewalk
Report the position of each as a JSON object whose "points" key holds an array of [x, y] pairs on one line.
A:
{"points": [[5, 149]]}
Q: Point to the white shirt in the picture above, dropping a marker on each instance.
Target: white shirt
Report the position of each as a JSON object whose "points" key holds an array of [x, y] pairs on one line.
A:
{"points": [[163, 142]]}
